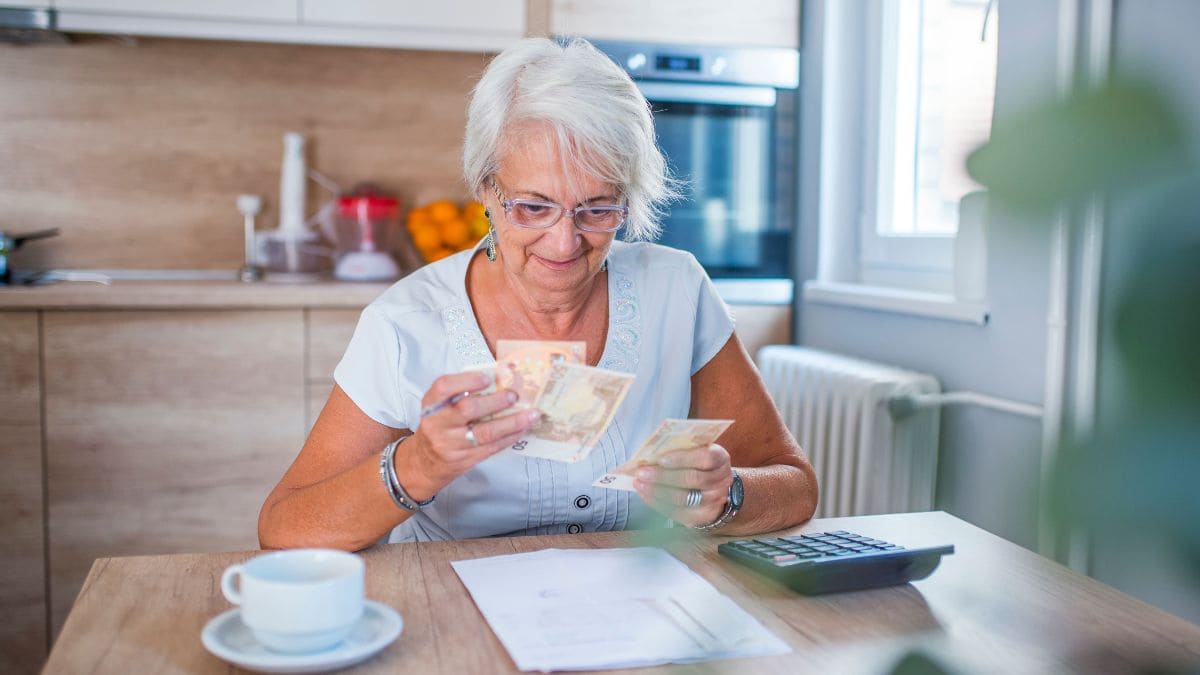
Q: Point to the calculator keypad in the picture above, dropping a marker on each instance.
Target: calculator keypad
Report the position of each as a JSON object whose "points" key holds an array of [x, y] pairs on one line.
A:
{"points": [[805, 547]]}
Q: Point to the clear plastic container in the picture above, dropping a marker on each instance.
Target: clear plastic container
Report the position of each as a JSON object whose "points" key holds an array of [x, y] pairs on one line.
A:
{"points": [[293, 255], [364, 229]]}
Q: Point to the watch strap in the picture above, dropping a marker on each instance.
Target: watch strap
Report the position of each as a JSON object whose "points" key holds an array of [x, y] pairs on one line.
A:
{"points": [[730, 509]]}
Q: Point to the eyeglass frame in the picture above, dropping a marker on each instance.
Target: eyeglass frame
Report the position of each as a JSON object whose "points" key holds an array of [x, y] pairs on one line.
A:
{"points": [[507, 205]]}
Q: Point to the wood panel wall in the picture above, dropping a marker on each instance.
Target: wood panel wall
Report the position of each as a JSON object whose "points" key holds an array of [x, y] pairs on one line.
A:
{"points": [[137, 149]]}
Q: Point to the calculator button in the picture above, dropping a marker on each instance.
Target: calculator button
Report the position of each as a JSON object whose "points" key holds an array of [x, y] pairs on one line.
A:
{"points": [[784, 557]]}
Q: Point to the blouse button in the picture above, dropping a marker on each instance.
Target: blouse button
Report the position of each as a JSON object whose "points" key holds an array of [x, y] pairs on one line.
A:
{"points": [[582, 501], [574, 528]]}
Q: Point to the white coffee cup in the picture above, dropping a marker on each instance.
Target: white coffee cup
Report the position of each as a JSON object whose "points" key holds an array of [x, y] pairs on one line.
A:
{"points": [[300, 600]]}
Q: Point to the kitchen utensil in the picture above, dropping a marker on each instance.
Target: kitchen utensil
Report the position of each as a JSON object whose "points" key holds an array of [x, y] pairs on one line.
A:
{"points": [[363, 232], [293, 252], [10, 243], [249, 205]]}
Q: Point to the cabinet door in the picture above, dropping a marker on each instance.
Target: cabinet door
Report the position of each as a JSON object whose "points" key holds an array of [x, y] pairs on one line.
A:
{"points": [[478, 16], [261, 10], [164, 432], [750, 23], [22, 575], [761, 325], [329, 331]]}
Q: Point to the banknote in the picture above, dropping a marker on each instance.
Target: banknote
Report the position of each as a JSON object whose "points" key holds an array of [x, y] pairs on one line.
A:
{"points": [[578, 403], [524, 365], [672, 434]]}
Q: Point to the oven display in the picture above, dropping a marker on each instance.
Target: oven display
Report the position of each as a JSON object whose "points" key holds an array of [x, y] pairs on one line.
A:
{"points": [[677, 64]]}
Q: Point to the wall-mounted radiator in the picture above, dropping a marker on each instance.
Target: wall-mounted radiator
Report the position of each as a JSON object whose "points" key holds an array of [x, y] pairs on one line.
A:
{"points": [[870, 454]]}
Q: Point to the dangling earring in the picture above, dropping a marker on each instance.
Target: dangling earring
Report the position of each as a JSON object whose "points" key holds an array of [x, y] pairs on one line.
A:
{"points": [[604, 265], [491, 236]]}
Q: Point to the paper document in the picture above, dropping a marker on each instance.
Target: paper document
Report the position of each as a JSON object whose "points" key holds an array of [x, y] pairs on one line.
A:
{"points": [[586, 609]]}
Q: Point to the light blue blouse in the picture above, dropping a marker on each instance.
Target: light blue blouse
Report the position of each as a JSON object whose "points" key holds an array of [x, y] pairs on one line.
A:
{"points": [[665, 322]]}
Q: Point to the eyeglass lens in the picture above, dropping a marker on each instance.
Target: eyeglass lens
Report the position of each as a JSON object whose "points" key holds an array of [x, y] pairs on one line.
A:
{"points": [[540, 214]]}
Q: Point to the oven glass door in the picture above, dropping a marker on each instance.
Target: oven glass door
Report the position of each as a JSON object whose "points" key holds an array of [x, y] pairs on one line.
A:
{"points": [[726, 156]]}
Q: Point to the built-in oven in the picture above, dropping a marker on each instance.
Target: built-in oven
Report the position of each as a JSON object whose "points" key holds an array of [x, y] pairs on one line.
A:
{"points": [[727, 121]]}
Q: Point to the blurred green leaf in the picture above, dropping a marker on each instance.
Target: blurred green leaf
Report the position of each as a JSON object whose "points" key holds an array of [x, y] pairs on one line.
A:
{"points": [[1122, 134], [1157, 321], [1139, 478], [917, 663], [1139, 472]]}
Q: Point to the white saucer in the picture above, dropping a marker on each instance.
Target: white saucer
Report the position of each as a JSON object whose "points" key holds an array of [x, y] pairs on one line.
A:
{"points": [[228, 638]]}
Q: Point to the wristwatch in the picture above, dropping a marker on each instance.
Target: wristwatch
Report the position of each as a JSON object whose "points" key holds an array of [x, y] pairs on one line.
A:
{"points": [[737, 494]]}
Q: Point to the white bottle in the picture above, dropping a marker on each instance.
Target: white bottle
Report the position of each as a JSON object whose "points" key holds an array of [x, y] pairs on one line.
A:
{"points": [[292, 181]]}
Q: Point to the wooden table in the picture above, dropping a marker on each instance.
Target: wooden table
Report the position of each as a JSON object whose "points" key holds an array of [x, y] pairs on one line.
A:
{"points": [[991, 607]]}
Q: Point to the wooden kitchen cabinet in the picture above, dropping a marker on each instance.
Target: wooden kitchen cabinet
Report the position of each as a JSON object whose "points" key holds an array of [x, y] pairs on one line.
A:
{"points": [[22, 576], [760, 325], [329, 331], [259, 10], [165, 430], [463, 25], [470, 16], [752, 23]]}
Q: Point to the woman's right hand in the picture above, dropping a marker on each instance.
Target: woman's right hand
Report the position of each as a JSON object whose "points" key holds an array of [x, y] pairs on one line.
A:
{"points": [[448, 442]]}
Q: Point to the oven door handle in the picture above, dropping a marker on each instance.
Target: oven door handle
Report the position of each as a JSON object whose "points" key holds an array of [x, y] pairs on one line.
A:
{"points": [[715, 94]]}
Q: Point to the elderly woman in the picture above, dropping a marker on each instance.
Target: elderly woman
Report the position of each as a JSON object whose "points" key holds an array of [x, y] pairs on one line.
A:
{"points": [[560, 148]]}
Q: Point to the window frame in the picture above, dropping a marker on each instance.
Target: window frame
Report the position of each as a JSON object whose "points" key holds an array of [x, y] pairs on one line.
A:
{"points": [[856, 266], [920, 262]]}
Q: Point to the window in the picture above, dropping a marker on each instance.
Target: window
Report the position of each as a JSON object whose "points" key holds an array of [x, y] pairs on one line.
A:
{"points": [[936, 85], [907, 93]]}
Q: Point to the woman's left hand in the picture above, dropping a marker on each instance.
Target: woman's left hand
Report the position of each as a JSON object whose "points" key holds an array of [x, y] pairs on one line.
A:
{"points": [[665, 486]]}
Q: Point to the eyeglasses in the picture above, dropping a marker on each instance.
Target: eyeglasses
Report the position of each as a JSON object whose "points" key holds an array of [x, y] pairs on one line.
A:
{"points": [[538, 215]]}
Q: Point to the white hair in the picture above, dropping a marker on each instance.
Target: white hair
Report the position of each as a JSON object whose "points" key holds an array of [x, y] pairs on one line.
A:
{"points": [[602, 122]]}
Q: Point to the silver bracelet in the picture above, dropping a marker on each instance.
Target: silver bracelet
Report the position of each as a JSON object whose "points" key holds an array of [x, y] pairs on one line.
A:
{"points": [[387, 473]]}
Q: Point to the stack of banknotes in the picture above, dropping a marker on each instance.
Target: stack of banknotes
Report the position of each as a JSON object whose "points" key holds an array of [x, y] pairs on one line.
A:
{"points": [[578, 403]]}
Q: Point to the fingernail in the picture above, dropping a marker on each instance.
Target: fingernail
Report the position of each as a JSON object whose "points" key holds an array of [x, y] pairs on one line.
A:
{"points": [[668, 462], [511, 397], [645, 474], [534, 415]]}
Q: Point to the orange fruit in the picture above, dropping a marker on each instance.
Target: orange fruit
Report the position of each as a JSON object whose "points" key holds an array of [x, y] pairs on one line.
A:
{"points": [[455, 232], [478, 226], [438, 254], [472, 210], [426, 237], [442, 210], [417, 216]]}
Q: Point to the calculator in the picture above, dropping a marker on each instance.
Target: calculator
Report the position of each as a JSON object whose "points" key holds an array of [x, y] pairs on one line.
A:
{"points": [[834, 561]]}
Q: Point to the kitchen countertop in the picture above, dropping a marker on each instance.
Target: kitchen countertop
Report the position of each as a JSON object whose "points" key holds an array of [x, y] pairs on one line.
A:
{"points": [[191, 295], [215, 293]]}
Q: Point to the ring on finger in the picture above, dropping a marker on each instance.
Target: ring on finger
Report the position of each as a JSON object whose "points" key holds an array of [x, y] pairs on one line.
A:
{"points": [[470, 436], [693, 498]]}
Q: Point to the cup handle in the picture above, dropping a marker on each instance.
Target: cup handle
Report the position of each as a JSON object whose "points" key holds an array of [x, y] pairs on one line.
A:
{"points": [[232, 594]]}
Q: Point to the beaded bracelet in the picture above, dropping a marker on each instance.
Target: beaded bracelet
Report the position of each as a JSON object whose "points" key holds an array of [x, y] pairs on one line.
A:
{"points": [[387, 473]]}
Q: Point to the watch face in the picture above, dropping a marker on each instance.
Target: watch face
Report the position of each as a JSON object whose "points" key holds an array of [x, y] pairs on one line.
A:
{"points": [[736, 492]]}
